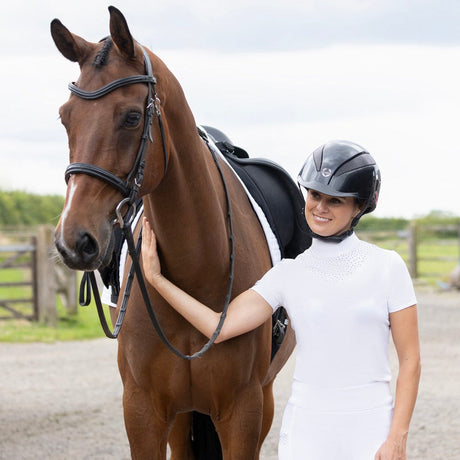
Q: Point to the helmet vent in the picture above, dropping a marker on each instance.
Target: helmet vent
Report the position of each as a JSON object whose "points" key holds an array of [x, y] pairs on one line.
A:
{"points": [[359, 161], [318, 157]]}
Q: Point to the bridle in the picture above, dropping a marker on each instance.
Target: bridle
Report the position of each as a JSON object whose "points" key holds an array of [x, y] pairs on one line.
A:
{"points": [[129, 189]]}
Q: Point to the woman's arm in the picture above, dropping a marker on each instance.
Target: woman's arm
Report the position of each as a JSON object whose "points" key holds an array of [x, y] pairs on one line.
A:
{"points": [[405, 337], [246, 312]]}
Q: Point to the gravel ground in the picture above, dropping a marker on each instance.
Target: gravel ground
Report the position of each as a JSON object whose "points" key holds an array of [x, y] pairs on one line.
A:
{"points": [[63, 400]]}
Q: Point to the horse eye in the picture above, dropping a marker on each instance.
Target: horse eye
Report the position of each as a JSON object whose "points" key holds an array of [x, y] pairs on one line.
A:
{"points": [[132, 119]]}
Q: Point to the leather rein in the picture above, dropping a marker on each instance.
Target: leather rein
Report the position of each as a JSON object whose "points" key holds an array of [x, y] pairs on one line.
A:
{"points": [[129, 189]]}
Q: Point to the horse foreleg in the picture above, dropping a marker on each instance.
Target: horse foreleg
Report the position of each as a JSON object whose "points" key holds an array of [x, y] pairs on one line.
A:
{"points": [[147, 431], [180, 438], [240, 429]]}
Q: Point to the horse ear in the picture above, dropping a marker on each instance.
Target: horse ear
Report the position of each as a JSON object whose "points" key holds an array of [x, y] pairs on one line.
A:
{"points": [[71, 46], [119, 31]]}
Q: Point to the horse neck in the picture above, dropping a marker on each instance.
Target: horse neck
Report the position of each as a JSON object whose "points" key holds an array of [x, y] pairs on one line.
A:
{"points": [[188, 210]]}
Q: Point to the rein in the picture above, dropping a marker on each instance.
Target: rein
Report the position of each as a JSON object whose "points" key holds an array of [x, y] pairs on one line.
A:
{"points": [[129, 189]]}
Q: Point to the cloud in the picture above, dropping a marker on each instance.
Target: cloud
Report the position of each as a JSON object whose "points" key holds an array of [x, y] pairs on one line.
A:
{"points": [[378, 73], [235, 26]]}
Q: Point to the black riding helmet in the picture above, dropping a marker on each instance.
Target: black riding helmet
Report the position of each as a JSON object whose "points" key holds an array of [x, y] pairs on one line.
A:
{"points": [[343, 168]]}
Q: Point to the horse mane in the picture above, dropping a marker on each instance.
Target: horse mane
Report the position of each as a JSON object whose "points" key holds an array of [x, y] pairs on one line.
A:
{"points": [[103, 54]]}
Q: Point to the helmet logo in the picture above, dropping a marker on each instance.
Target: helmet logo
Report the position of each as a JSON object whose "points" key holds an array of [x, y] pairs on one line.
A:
{"points": [[326, 172]]}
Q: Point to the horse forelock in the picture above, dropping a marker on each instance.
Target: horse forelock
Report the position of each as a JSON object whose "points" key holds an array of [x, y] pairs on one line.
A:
{"points": [[103, 54]]}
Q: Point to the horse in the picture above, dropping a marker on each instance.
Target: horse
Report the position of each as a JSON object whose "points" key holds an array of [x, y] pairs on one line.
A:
{"points": [[108, 118]]}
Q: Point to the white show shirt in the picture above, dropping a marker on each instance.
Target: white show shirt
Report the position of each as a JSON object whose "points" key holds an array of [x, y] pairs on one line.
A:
{"points": [[338, 297]]}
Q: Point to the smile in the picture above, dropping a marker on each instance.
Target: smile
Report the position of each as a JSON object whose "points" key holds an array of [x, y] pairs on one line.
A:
{"points": [[321, 219]]}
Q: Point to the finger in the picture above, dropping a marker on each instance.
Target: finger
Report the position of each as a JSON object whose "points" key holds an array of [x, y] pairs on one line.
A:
{"points": [[150, 237], [147, 231], [147, 237], [145, 224]]}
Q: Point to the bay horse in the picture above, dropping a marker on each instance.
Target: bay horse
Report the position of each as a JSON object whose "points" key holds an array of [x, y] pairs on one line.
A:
{"points": [[185, 202]]}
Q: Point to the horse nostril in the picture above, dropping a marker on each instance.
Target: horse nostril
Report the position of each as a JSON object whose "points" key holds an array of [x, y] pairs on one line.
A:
{"points": [[87, 247], [60, 248]]}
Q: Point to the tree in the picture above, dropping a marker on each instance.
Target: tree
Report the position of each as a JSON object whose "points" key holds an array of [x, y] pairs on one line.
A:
{"points": [[22, 208]]}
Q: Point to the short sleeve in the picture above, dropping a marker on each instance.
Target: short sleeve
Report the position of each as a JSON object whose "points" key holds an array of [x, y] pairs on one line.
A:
{"points": [[270, 286], [401, 292]]}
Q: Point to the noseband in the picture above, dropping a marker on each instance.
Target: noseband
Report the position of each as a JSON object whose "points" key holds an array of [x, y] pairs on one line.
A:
{"points": [[129, 187]]}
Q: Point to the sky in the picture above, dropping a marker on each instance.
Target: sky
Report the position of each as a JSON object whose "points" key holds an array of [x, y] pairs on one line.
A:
{"points": [[280, 78]]}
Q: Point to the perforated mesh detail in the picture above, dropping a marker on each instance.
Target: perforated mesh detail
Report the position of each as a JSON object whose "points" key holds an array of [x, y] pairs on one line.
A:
{"points": [[340, 267]]}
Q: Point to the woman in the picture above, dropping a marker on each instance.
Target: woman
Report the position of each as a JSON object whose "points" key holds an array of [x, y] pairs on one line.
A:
{"points": [[343, 296]]}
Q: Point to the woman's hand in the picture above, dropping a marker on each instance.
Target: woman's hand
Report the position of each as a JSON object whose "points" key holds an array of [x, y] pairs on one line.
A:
{"points": [[246, 312], [392, 450], [150, 259]]}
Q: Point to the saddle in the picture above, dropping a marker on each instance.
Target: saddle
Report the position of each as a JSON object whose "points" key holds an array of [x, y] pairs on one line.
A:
{"points": [[273, 190]]}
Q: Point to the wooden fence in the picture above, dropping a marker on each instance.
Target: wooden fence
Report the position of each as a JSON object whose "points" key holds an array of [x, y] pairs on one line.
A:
{"points": [[49, 279], [19, 257], [412, 243], [46, 278]]}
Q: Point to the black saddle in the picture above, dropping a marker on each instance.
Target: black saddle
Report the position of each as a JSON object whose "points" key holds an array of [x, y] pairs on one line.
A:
{"points": [[273, 190]]}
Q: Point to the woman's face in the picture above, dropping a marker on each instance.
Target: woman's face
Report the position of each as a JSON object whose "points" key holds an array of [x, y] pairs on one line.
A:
{"points": [[329, 215]]}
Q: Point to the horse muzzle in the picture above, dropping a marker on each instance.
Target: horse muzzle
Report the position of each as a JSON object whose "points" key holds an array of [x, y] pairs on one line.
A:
{"points": [[84, 252]]}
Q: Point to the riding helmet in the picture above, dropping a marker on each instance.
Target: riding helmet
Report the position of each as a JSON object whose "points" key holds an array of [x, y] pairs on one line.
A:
{"points": [[343, 168]]}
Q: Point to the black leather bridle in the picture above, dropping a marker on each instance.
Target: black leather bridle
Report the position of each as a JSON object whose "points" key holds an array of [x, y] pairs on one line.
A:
{"points": [[129, 188]]}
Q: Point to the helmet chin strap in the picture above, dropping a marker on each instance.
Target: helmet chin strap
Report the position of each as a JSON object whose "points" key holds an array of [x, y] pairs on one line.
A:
{"points": [[332, 238]]}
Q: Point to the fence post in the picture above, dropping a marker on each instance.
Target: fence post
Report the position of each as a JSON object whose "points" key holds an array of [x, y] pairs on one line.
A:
{"points": [[66, 287], [46, 281], [413, 250], [458, 233], [33, 242], [71, 292]]}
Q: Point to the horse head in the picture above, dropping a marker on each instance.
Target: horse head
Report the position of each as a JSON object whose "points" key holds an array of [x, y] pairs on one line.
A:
{"points": [[112, 136]]}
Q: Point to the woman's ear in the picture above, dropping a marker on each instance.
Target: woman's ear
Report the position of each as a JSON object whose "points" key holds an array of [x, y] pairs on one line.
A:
{"points": [[359, 206]]}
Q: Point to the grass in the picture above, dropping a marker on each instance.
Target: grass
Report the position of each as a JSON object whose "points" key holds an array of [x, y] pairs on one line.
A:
{"points": [[437, 258], [436, 261], [82, 326], [70, 326]]}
